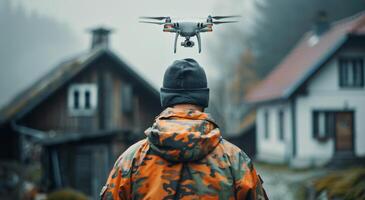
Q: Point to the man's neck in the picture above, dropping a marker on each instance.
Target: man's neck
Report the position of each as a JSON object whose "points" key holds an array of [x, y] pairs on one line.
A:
{"points": [[188, 107]]}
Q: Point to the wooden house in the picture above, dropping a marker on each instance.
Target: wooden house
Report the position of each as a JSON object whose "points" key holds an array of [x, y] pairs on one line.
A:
{"points": [[245, 137], [84, 113]]}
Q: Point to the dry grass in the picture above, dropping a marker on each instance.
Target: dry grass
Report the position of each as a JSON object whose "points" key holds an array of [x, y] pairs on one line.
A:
{"points": [[347, 184], [66, 194]]}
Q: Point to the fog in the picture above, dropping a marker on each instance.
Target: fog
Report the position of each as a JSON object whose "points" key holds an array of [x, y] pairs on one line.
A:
{"points": [[64, 33], [38, 34]]}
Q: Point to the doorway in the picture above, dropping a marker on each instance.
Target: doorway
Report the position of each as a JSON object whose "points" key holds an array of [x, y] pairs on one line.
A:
{"points": [[344, 132]]}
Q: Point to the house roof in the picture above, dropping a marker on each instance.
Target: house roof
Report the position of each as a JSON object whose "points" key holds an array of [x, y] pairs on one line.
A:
{"points": [[50, 82], [305, 59], [76, 137]]}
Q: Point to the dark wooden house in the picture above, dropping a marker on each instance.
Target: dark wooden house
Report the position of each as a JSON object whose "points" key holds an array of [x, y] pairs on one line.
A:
{"points": [[83, 114], [245, 138]]}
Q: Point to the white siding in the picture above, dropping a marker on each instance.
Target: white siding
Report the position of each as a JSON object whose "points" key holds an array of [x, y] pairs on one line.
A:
{"points": [[324, 93], [272, 149]]}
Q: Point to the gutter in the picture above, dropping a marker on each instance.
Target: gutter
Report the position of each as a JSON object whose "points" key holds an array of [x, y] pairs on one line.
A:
{"points": [[293, 109], [35, 134]]}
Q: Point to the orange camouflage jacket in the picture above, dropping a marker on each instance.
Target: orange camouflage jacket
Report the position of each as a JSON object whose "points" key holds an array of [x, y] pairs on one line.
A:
{"points": [[183, 157]]}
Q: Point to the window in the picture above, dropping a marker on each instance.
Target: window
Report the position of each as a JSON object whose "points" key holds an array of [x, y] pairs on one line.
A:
{"points": [[127, 98], [87, 100], [76, 100], [266, 124], [281, 127], [82, 99], [323, 124], [351, 72]]}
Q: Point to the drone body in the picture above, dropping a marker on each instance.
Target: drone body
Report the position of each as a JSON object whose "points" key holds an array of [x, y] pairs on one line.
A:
{"points": [[188, 29]]}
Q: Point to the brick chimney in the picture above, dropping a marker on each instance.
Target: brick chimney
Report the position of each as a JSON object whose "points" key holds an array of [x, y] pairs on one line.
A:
{"points": [[321, 24], [100, 38]]}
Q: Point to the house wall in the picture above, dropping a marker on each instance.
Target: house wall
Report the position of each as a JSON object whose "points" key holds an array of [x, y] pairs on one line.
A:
{"points": [[87, 160], [246, 141], [323, 93], [53, 114], [272, 149]]}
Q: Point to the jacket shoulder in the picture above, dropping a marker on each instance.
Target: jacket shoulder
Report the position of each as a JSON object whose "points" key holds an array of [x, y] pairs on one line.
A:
{"points": [[125, 160], [236, 155]]}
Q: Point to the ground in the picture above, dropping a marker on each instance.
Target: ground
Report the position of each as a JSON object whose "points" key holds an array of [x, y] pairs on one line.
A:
{"points": [[283, 183]]}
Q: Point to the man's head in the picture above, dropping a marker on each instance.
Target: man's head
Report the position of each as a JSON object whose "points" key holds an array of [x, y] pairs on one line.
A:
{"points": [[185, 82]]}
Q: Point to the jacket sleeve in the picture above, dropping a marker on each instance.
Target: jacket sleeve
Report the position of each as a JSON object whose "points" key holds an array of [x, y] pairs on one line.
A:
{"points": [[248, 184], [118, 185], [256, 192]]}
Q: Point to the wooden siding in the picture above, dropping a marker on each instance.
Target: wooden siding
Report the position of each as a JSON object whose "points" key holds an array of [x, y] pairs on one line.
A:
{"points": [[53, 114]]}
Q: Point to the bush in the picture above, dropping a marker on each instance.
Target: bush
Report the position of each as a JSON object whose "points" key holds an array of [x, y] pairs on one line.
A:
{"points": [[66, 194], [346, 184]]}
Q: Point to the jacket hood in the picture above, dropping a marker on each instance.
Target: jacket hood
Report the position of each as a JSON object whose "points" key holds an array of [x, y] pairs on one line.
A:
{"points": [[181, 135]]}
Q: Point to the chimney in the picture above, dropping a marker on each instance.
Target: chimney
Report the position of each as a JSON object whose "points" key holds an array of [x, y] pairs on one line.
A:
{"points": [[321, 24], [100, 38]]}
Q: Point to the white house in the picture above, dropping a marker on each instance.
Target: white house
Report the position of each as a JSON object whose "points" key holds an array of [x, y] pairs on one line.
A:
{"points": [[311, 107]]}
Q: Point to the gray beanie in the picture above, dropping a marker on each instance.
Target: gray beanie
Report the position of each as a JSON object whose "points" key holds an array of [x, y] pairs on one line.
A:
{"points": [[185, 82]]}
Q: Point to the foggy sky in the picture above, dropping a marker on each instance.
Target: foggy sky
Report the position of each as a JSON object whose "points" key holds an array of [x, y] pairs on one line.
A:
{"points": [[144, 46]]}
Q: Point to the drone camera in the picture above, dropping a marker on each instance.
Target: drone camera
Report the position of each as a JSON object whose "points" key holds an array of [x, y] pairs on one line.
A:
{"points": [[187, 43], [169, 26]]}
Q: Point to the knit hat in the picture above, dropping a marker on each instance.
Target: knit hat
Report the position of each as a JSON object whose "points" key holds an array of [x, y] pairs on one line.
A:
{"points": [[185, 82]]}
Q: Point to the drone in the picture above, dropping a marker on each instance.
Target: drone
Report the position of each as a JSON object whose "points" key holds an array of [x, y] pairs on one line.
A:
{"points": [[188, 29]]}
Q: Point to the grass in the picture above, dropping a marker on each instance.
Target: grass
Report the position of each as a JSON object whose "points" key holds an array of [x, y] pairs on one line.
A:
{"points": [[347, 184], [282, 167], [270, 166], [300, 192]]}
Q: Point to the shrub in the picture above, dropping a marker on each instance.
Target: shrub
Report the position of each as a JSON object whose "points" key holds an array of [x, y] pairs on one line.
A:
{"points": [[346, 184], [66, 194]]}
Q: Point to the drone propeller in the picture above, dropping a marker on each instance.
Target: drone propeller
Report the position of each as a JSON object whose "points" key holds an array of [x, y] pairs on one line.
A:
{"points": [[224, 17], [147, 22], [224, 22], [156, 18]]}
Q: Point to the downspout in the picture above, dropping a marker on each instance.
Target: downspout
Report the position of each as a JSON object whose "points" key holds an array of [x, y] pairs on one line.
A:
{"points": [[294, 127], [56, 166]]}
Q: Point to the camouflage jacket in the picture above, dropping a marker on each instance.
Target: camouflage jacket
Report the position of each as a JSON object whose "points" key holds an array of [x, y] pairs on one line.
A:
{"points": [[183, 157]]}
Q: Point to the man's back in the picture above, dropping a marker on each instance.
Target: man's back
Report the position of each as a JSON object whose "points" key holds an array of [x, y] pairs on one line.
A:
{"points": [[183, 157]]}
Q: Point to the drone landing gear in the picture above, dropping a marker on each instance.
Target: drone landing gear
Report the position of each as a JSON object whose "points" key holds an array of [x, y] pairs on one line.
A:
{"points": [[176, 37], [199, 41]]}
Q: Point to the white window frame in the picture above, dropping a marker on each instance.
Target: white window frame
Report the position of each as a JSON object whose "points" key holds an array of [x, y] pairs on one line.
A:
{"points": [[82, 89], [351, 72], [323, 124]]}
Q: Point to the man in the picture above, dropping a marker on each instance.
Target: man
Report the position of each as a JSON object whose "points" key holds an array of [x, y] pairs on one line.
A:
{"points": [[184, 155]]}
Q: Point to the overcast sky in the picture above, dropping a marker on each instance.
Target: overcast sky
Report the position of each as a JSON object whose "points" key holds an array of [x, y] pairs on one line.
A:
{"points": [[144, 46]]}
